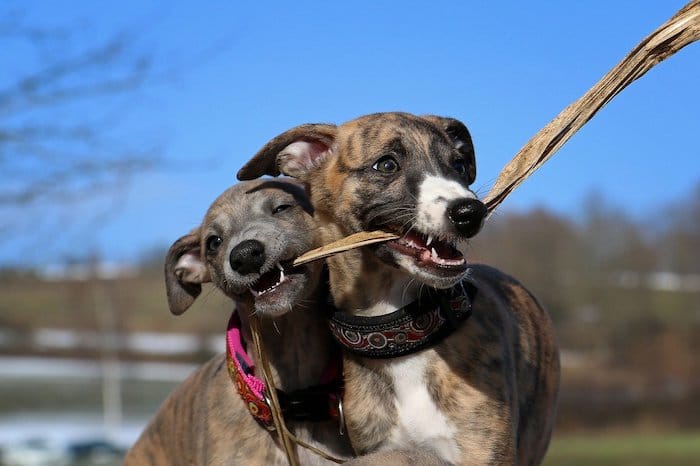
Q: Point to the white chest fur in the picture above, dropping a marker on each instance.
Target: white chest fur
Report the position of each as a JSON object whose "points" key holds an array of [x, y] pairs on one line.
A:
{"points": [[420, 422]]}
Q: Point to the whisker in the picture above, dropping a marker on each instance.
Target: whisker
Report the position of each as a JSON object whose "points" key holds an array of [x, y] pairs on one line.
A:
{"points": [[406, 288], [469, 278], [421, 288], [390, 212]]}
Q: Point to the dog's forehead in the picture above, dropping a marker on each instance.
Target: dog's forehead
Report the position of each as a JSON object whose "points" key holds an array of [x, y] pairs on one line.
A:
{"points": [[377, 131], [249, 197], [266, 188], [390, 123]]}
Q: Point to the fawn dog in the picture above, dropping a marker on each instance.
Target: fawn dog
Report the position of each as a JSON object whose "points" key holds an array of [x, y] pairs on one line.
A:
{"points": [[441, 355], [243, 246]]}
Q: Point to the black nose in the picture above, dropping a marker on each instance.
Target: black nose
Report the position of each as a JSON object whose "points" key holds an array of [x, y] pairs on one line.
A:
{"points": [[247, 257], [467, 215]]}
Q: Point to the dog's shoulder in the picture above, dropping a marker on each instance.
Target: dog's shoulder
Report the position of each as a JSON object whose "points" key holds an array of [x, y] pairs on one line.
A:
{"points": [[504, 310], [502, 299], [493, 286], [217, 395], [207, 390]]}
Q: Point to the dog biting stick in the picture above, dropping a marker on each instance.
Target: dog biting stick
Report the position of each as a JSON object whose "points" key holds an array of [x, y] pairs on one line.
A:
{"points": [[681, 30]]}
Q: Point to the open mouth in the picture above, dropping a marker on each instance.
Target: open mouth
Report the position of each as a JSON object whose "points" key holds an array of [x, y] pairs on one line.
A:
{"points": [[269, 281], [272, 280], [429, 251]]}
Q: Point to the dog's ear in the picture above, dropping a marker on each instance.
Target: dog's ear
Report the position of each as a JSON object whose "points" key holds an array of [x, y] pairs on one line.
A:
{"points": [[184, 272], [293, 153], [462, 140]]}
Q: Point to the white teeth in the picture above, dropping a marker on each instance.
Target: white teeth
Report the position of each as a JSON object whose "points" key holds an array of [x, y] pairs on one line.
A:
{"points": [[279, 266], [433, 253], [279, 282], [430, 240], [449, 261]]}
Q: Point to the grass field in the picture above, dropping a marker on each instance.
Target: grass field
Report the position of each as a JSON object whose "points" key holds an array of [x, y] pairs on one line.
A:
{"points": [[673, 449]]}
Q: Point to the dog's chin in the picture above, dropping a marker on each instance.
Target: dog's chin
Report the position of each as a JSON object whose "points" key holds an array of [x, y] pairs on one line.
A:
{"points": [[432, 262]]}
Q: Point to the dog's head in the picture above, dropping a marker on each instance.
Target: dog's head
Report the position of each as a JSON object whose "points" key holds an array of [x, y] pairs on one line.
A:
{"points": [[392, 171], [245, 245]]}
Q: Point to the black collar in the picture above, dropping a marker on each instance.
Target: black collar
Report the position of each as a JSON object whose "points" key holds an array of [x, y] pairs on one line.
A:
{"points": [[422, 323]]}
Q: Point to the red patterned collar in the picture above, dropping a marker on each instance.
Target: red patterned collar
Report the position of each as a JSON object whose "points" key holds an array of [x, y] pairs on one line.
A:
{"points": [[317, 403], [422, 323]]}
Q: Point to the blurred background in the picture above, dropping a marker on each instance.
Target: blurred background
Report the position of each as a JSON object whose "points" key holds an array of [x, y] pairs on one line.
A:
{"points": [[121, 122]]}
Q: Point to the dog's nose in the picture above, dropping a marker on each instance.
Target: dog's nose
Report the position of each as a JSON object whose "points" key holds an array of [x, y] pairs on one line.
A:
{"points": [[247, 257], [467, 215]]}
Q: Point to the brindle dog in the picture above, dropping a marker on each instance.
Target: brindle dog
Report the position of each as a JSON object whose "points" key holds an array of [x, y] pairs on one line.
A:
{"points": [[242, 246], [485, 394]]}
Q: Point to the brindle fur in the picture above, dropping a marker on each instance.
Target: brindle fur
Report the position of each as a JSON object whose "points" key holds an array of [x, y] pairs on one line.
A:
{"points": [[496, 378], [204, 421]]}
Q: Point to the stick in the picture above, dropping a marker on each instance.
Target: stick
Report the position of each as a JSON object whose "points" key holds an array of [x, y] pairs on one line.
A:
{"points": [[353, 241], [277, 416], [681, 30]]}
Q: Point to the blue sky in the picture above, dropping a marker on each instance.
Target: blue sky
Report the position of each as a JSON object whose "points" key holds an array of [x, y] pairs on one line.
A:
{"points": [[239, 73]]}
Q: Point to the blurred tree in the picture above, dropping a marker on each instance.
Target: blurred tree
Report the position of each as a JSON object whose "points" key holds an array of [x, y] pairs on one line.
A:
{"points": [[55, 150], [681, 241], [619, 257]]}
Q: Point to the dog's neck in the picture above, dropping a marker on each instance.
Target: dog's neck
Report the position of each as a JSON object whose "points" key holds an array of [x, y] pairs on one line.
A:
{"points": [[383, 289], [298, 344]]}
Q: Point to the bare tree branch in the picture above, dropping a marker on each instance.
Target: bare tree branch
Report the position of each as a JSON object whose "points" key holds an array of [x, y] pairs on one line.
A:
{"points": [[48, 86], [55, 152]]}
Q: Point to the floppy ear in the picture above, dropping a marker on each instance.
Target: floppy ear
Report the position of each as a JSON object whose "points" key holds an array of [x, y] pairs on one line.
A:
{"points": [[294, 152], [184, 272], [462, 140]]}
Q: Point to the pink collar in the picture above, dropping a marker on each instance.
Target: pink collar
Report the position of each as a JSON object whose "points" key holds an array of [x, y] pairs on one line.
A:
{"points": [[316, 403]]}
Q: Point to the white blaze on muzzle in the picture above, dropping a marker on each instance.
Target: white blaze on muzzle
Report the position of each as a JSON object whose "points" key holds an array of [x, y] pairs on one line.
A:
{"points": [[434, 196]]}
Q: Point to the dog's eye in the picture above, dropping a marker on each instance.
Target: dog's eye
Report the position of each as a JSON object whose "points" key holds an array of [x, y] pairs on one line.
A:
{"points": [[460, 166], [281, 208], [386, 164], [213, 243]]}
